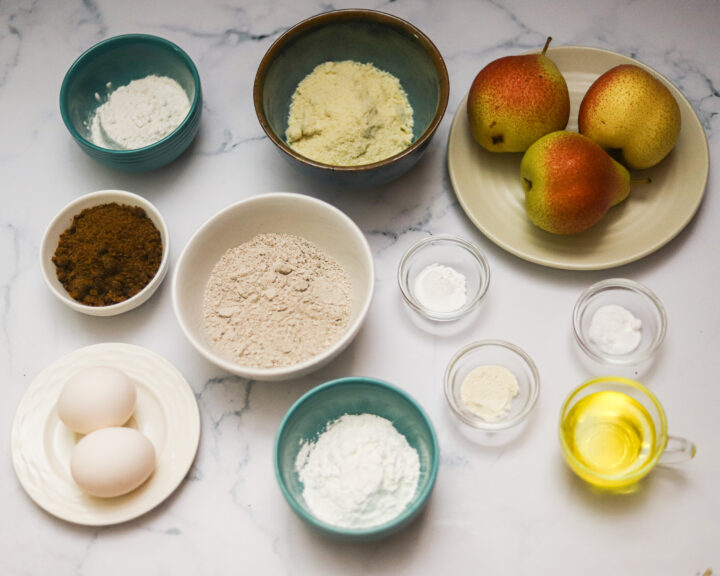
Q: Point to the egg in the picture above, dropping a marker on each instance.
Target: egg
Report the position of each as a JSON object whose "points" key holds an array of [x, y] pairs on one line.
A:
{"points": [[96, 397], [112, 461]]}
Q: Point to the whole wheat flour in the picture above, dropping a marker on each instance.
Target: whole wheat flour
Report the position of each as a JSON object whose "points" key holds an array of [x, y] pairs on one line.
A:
{"points": [[276, 300], [347, 113]]}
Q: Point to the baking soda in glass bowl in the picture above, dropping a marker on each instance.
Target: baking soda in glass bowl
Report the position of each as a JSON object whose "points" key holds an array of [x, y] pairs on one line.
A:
{"points": [[615, 329], [619, 322], [443, 280], [440, 288]]}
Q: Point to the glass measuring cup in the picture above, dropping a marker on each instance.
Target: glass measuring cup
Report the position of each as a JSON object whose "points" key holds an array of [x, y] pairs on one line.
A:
{"points": [[613, 432]]}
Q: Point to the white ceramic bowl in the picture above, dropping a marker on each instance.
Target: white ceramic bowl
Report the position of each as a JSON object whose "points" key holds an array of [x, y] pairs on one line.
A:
{"points": [[62, 222], [281, 213]]}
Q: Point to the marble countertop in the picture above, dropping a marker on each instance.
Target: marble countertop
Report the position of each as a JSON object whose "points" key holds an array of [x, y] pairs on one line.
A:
{"points": [[513, 509]]}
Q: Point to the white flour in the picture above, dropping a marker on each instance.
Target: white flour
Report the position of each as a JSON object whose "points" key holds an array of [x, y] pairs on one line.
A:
{"points": [[360, 472], [139, 114]]}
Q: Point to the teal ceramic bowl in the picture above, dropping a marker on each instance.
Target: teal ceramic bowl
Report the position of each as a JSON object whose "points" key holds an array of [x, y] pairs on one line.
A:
{"points": [[391, 44], [120, 60], [307, 419]]}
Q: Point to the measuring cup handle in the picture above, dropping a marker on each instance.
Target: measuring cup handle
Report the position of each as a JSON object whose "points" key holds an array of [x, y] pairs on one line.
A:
{"points": [[678, 450]]}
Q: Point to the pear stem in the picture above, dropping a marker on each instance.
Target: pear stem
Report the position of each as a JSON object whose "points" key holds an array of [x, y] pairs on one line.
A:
{"points": [[640, 180], [547, 43]]}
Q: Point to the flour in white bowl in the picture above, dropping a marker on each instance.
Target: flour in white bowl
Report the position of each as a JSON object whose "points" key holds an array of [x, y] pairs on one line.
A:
{"points": [[361, 472], [139, 114]]}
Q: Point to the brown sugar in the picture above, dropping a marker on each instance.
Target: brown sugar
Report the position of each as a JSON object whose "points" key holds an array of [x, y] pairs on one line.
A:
{"points": [[109, 253]]}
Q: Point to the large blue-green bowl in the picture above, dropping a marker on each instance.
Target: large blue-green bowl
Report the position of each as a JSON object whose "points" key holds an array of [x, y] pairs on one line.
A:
{"points": [[309, 416], [388, 42], [120, 60]]}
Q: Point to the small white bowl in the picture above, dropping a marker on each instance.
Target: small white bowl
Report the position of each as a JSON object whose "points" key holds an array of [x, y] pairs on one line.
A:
{"points": [[62, 222], [636, 298], [448, 250], [498, 353], [282, 213]]}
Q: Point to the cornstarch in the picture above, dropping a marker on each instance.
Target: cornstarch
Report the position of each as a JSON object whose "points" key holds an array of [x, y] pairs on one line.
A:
{"points": [[139, 114], [360, 472], [276, 300], [347, 113]]}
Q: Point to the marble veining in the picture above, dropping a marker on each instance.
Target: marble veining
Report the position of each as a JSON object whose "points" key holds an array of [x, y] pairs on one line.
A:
{"points": [[495, 510]]}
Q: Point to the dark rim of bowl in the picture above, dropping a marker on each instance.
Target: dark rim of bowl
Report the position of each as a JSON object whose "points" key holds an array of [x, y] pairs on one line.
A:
{"points": [[417, 502], [122, 39], [352, 14]]}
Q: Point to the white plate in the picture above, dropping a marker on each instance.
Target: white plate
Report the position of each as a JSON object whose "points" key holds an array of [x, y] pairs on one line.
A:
{"points": [[488, 185], [166, 412]]}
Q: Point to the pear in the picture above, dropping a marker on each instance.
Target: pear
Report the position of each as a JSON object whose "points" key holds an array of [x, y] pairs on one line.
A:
{"points": [[627, 108], [570, 182], [515, 100]]}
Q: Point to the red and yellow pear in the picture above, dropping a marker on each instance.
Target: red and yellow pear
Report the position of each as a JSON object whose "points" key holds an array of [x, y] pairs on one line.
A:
{"points": [[515, 100], [628, 109], [570, 182]]}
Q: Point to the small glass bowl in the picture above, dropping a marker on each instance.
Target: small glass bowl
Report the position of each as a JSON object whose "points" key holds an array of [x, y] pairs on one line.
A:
{"points": [[636, 298], [498, 353], [451, 251]]}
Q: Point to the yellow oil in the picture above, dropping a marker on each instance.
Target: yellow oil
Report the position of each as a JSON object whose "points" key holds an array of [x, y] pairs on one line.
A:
{"points": [[611, 434]]}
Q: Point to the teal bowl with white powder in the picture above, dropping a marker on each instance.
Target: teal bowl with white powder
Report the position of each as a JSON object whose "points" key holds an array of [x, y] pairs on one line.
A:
{"points": [[367, 452], [137, 135]]}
